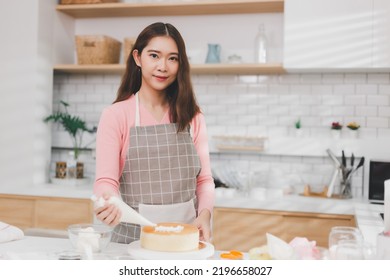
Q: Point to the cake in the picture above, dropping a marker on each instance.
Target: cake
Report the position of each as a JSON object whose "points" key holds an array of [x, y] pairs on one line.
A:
{"points": [[170, 237]]}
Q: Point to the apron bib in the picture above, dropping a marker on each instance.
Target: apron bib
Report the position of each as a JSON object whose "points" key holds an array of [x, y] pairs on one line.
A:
{"points": [[159, 176]]}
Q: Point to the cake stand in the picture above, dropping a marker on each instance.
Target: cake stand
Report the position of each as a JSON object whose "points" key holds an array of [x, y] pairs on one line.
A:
{"points": [[206, 250]]}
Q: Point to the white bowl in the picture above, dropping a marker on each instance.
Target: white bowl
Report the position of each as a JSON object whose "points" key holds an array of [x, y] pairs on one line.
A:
{"points": [[89, 238]]}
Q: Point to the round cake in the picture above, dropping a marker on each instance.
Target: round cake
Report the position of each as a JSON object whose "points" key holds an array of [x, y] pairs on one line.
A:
{"points": [[170, 237]]}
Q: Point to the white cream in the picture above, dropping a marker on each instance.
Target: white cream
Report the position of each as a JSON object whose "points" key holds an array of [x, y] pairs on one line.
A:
{"points": [[168, 229], [88, 239]]}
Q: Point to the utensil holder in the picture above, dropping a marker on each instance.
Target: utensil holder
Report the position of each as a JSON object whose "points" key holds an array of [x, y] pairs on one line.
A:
{"points": [[346, 188]]}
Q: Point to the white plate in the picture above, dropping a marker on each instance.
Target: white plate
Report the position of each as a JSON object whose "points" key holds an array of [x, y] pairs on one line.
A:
{"points": [[137, 252]]}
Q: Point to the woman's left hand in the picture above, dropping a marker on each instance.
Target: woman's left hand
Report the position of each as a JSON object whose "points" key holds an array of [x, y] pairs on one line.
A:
{"points": [[202, 222]]}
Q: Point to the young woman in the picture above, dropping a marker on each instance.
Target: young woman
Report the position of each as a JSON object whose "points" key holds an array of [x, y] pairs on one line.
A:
{"points": [[151, 147]]}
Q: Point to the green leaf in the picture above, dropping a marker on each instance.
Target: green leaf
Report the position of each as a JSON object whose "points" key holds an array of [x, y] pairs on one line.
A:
{"points": [[74, 125]]}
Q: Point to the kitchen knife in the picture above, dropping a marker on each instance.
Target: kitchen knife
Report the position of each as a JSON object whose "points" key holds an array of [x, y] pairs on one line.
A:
{"points": [[360, 164], [343, 159]]}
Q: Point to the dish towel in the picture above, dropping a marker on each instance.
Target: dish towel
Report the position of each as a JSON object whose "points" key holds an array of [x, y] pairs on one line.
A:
{"points": [[9, 233]]}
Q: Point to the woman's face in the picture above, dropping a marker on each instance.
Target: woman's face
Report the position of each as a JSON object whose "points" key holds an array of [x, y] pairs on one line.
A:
{"points": [[159, 62]]}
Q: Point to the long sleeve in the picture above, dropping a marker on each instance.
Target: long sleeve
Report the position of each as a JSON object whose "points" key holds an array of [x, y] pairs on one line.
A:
{"points": [[112, 141], [205, 182], [108, 149]]}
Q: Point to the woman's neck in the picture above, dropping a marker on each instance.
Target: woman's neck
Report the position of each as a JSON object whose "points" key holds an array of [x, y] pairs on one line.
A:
{"points": [[155, 103], [152, 99]]}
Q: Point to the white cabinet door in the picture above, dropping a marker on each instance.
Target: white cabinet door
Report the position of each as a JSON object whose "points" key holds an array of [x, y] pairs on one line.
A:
{"points": [[381, 36], [328, 34]]}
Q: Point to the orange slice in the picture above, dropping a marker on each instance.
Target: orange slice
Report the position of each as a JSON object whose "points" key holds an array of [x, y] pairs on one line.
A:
{"points": [[236, 253], [232, 255]]}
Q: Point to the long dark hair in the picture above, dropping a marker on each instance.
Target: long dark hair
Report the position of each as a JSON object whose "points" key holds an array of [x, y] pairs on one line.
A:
{"points": [[180, 95]]}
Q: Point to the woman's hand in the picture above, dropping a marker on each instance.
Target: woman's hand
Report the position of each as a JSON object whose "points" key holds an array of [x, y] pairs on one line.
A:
{"points": [[202, 222], [108, 213]]}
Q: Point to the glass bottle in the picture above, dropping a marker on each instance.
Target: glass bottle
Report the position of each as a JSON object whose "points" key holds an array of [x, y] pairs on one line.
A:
{"points": [[71, 166], [261, 45]]}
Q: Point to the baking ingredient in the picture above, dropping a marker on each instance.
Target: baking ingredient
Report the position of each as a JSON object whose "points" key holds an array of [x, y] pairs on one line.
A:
{"points": [[88, 240]]}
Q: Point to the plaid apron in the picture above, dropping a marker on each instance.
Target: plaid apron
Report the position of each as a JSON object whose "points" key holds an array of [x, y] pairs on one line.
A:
{"points": [[159, 176]]}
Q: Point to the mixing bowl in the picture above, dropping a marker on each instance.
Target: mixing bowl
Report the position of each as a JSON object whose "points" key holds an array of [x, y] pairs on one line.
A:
{"points": [[90, 237]]}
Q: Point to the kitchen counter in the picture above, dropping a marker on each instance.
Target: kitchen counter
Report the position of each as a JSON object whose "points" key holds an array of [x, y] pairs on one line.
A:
{"points": [[367, 215]]}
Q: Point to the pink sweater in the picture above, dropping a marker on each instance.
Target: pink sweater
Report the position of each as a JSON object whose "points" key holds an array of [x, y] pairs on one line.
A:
{"points": [[112, 142]]}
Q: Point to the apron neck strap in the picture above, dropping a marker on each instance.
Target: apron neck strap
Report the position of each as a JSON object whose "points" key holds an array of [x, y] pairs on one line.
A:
{"points": [[137, 120]]}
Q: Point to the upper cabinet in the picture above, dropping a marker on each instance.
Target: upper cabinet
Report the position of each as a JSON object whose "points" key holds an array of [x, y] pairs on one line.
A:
{"points": [[381, 34], [124, 15], [328, 34], [346, 35]]}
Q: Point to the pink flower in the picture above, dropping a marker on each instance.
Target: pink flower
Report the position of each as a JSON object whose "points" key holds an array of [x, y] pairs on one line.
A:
{"points": [[336, 125], [305, 249]]}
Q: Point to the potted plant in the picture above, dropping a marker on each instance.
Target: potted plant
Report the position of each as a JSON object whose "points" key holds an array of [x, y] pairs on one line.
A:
{"points": [[76, 127], [353, 129], [336, 126], [336, 129], [298, 126]]}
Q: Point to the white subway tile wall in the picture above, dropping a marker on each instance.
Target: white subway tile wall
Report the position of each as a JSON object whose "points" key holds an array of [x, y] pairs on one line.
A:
{"points": [[254, 105]]}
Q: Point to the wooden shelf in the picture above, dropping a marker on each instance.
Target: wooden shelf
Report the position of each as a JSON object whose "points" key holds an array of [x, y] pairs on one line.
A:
{"points": [[224, 69], [90, 69], [238, 69], [172, 8]]}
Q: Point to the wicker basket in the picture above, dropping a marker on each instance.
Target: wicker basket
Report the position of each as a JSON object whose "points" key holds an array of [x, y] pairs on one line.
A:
{"points": [[128, 44], [101, 49], [66, 2]]}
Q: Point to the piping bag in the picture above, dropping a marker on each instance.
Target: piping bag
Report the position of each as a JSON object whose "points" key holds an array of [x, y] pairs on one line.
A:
{"points": [[129, 215]]}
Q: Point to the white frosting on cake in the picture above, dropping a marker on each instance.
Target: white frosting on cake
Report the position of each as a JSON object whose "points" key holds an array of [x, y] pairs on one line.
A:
{"points": [[168, 229]]}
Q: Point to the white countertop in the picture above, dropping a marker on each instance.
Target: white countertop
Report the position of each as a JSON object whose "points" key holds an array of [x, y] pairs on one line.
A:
{"points": [[52, 190], [46, 248], [294, 203]]}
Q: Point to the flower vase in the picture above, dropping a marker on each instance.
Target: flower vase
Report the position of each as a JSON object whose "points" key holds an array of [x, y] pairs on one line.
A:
{"points": [[336, 133], [298, 133], [354, 134]]}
